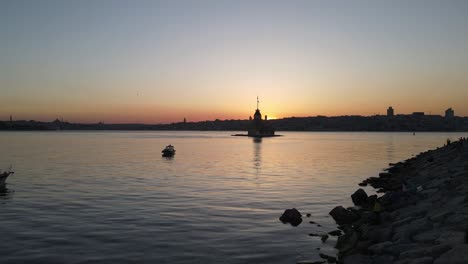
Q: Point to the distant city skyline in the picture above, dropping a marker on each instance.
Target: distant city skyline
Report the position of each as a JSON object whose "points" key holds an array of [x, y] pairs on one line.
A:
{"points": [[163, 61], [390, 112]]}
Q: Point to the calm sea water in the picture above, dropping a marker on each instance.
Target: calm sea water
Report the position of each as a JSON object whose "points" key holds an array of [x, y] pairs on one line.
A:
{"points": [[109, 197]]}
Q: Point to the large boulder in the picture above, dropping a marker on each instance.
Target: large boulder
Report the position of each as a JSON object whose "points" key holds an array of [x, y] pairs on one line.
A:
{"points": [[329, 259], [383, 259], [359, 197], [347, 242], [457, 255], [335, 233], [357, 259], [292, 216], [343, 216], [370, 202], [378, 248]]}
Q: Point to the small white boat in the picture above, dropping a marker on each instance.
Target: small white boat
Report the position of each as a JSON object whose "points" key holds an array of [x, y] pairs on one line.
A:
{"points": [[168, 151]]}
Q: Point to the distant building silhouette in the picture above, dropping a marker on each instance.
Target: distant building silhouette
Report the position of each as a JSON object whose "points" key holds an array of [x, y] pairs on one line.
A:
{"points": [[418, 114], [185, 120], [449, 113], [11, 118], [57, 124], [259, 127], [390, 111]]}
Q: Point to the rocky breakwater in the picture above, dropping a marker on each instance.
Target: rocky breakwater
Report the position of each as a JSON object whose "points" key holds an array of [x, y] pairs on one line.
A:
{"points": [[422, 216]]}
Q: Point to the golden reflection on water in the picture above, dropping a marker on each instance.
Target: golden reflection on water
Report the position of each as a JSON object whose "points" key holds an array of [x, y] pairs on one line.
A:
{"points": [[257, 160]]}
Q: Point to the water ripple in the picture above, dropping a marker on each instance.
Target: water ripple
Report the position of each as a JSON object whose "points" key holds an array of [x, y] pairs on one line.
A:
{"points": [[109, 197]]}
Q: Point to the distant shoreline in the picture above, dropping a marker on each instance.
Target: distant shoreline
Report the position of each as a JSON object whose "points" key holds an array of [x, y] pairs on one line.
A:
{"points": [[398, 123], [167, 130]]}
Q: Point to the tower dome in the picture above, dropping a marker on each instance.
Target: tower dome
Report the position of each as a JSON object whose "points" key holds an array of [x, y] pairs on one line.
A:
{"points": [[257, 115]]}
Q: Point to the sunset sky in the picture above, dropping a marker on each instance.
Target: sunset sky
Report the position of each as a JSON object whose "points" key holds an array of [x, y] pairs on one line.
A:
{"points": [[161, 61]]}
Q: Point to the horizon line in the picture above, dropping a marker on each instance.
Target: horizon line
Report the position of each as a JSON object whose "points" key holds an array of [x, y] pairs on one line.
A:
{"points": [[217, 119]]}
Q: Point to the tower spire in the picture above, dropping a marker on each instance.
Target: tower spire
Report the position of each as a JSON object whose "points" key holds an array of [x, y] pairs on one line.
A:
{"points": [[257, 102]]}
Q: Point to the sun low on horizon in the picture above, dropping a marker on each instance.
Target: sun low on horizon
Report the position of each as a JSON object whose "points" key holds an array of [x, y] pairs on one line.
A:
{"points": [[163, 61]]}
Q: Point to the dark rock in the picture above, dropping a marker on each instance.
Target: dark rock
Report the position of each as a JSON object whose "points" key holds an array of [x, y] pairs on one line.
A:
{"points": [[413, 253], [347, 242], [451, 238], [402, 222], [370, 202], [343, 216], [395, 169], [324, 238], [405, 233], [357, 259], [335, 233], [359, 197], [457, 255], [328, 258], [312, 222], [384, 259], [440, 217], [396, 249], [427, 237], [378, 248], [438, 250], [310, 262], [385, 174], [423, 260], [380, 235], [367, 217], [292, 216], [308, 215], [362, 245]]}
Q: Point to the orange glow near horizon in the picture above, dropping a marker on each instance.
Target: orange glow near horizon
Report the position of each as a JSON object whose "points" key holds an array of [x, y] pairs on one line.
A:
{"points": [[150, 114], [146, 107]]}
